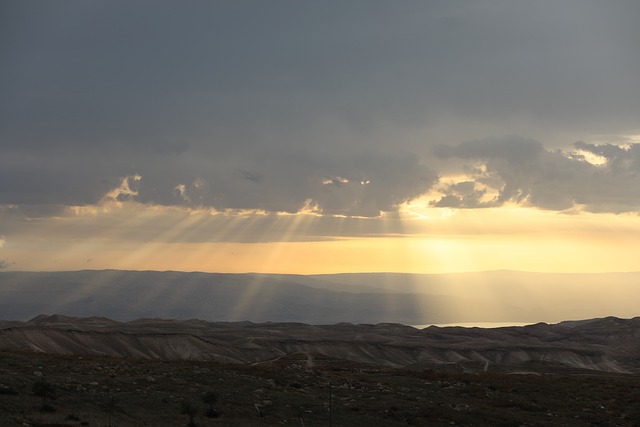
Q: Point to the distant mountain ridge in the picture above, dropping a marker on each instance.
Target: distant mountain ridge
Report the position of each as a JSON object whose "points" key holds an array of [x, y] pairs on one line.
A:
{"points": [[495, 296], [606, 344]]}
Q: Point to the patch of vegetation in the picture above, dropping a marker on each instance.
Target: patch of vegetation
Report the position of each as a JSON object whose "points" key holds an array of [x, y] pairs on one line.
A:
{"points": [[46, 391], [190, 409]]}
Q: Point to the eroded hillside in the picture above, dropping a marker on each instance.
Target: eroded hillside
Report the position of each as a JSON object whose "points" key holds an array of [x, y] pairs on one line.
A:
{"points": [[608, 344]]}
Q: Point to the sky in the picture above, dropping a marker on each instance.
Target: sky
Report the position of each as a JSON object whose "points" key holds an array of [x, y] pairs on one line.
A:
{"points": [[320, 137]]}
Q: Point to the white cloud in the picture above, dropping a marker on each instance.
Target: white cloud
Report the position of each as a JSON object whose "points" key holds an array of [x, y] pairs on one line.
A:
{"points": [[181, 190], [124, 192], [6, 263]]}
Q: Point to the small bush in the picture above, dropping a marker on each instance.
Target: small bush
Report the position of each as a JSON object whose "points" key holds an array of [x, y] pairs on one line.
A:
{"points": [[212, 413], [8, 391], [48, 408], [45, 390], [189, 409]]}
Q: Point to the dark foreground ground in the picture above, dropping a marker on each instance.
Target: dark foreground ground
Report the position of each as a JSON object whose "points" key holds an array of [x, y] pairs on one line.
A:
{"points": [[307, 391]]}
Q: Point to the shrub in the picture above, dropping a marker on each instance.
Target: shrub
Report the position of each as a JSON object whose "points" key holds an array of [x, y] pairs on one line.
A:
{"points": [[190, 409], [45, 390]]}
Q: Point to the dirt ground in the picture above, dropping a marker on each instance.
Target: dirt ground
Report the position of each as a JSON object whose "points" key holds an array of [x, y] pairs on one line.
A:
{"points": [[306, 390]]}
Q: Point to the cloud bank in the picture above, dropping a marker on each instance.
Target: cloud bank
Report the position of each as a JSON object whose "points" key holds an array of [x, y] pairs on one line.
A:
{"points": [[329, 107], [521, 171]]}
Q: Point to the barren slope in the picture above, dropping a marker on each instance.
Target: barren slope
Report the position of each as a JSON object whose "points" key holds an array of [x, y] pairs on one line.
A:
{"points": [[608, 344]]}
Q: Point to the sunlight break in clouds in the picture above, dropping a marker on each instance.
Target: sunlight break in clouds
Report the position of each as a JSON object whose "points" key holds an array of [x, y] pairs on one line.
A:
{"points": [[421, 239]]}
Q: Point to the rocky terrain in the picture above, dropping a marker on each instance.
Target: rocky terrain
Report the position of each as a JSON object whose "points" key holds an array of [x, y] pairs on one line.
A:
{"points": [[104, 372], [609, 344]]}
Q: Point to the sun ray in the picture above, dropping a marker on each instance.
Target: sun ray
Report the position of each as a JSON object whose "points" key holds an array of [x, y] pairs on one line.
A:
{"points": [[293, 225]]}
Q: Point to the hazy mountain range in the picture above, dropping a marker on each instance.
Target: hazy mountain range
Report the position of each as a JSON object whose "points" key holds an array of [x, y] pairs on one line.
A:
{"points": [[497, 296]]}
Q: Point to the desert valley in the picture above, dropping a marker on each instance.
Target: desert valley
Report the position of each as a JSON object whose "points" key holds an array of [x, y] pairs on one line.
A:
{"points": [[334, 372]]}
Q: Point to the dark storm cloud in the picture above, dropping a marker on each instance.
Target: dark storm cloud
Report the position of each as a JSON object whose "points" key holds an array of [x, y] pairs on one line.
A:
{"points": [[521, 170], [255, 105], [369, 182], [461, 195], [515, 149]]}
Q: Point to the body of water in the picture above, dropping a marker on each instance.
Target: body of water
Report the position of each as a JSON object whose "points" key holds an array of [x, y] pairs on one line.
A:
{"points": [[486, 325]]}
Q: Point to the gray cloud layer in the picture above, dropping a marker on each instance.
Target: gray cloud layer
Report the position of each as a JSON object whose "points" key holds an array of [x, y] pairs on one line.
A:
{"points": [[521, 170], [256, 105]]}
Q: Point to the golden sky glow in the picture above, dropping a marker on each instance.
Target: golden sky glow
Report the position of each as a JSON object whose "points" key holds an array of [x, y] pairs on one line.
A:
{"points": [[419, 240]]}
